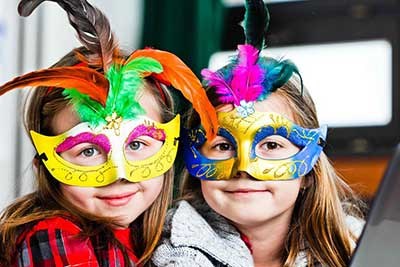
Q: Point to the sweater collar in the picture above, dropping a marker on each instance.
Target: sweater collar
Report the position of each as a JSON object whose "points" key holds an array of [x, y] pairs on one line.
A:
{"points": [[210, 233]]}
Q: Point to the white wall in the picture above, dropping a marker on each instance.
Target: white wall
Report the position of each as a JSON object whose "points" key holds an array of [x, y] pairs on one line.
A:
{"points": [[42, 46], [8, 102], [125, 17]]}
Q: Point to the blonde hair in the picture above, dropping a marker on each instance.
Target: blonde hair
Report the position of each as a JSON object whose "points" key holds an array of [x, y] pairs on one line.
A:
{"points": [[48, 201], [318, 223]]}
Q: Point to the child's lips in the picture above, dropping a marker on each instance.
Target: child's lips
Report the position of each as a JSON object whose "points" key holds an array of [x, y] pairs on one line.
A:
{"points": [[117, 199], [243, 191]]}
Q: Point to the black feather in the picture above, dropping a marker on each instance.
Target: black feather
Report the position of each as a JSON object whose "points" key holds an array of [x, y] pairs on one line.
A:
{"points": [[256, 20], [92, 26]]}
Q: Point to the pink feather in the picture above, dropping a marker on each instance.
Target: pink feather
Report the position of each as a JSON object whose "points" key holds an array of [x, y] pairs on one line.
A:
{"points": [[247, 76], [246, 82], [248, 55]]}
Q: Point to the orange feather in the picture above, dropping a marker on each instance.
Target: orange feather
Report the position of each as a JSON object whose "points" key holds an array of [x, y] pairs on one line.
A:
{"points": [[177, 74], [83, 79]]}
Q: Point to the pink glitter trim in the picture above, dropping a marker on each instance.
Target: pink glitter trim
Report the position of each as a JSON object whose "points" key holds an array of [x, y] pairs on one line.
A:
{"points": [[151, 131], [100, 140]]}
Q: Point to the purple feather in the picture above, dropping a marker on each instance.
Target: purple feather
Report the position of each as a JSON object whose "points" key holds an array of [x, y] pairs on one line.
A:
{"points": [[222, 88]]}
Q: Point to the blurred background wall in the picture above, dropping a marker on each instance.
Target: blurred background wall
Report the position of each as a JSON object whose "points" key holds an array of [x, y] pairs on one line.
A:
{"points": [[348, 50], [36, 42]]}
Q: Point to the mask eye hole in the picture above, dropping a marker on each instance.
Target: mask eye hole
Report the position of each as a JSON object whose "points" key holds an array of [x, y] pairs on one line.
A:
{"points": [[220, 148], [85, 149], [142, 147], [85, 154], [275, 147]]}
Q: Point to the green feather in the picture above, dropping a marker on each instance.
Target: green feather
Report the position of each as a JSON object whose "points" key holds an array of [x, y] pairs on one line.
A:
{"points": [[124, 84], [88, 109]]}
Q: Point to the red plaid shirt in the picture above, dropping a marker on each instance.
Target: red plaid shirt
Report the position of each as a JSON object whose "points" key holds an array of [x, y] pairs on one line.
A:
{"points": [[53, 242]]}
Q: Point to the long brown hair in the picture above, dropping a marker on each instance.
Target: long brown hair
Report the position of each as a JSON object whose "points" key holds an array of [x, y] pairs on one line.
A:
{"points": [[48, 201], [318, 223]]}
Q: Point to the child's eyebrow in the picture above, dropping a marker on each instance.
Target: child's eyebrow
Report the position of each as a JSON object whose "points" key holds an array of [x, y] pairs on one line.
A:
{"points": [[150, 131], [100, 140]]}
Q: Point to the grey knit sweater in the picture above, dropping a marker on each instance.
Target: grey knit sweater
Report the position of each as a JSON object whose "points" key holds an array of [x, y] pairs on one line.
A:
{"points": [[202, 238]]}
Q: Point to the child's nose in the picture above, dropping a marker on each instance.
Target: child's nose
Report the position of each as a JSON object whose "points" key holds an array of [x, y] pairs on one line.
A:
{"points": [[243, 156], [242, 175], [121, 173], [119, 163], [243, 163]]}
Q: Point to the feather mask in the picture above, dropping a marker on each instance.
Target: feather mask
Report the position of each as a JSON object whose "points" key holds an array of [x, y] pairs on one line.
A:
{"points": [[250, 77], [97, 96], [124, 83], [177, 74]]}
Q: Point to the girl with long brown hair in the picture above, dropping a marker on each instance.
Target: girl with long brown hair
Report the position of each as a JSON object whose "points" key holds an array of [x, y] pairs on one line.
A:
{"points": [[106, 134], [262, 193]]}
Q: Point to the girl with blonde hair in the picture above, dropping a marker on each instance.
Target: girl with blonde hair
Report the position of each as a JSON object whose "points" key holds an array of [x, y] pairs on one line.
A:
{"points": [[263, 192]]}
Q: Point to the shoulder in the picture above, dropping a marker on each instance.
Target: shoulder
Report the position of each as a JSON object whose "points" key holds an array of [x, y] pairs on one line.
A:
{"points": [[56, 242], [60, 223], [355, 225], [194, 235], [48, 227]]}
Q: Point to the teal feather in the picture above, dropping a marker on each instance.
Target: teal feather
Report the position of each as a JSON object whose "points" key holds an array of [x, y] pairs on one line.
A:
{"points": [[287, 70], [256, 21], [278, 72]]}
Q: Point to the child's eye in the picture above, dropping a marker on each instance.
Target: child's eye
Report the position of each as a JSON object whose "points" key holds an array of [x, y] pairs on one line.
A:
{"points": [[276, 147], [223, 147], [89, 152], [219, 148], [135, 145], [271, 145], [85, 154]]}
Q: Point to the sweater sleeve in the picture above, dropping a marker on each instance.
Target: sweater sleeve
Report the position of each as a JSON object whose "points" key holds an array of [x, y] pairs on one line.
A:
{"points": [[54, 242]]}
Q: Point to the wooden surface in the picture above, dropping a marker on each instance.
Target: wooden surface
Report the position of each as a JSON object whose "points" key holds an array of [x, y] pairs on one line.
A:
{"points": [[362, 173]]}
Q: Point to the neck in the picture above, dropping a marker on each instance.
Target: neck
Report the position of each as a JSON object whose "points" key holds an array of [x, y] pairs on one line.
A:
{"points": [[267, 241]]}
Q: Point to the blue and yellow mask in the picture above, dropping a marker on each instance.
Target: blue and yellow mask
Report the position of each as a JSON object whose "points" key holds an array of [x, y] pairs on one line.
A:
{"points": [[266, 145]]}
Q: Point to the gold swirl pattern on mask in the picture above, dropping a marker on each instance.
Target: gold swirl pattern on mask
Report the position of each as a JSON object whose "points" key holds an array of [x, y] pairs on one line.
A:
{"points": [[234, 121], [278, 121], [282, 171], [76, 175], [242, 125], [217, 171], [138, 171]]}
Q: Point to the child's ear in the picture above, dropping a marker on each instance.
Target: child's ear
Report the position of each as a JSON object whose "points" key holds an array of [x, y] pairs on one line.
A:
{"points": [[305, 183], [35, 163]]}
